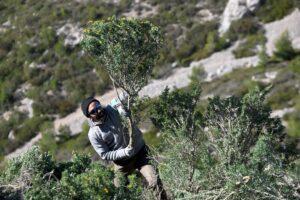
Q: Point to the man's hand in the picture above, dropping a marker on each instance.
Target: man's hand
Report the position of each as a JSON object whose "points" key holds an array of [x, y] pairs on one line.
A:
{"points": [[129, 151]]}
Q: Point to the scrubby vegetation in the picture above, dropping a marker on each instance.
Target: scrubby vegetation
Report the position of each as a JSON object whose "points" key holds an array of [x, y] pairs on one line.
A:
{"points": [[36, 175], [237, 156], [272, 10], [232, 150]]}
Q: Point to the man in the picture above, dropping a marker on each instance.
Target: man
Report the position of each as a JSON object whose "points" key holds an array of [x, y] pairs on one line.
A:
{"points": [[110, 140]]}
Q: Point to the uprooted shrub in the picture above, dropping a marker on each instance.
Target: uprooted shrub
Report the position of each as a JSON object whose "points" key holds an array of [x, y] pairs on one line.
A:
{"points": [[234, 152]]}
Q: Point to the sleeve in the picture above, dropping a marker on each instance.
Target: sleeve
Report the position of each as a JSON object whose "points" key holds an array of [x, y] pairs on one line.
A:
{"points": [[102, 149]]}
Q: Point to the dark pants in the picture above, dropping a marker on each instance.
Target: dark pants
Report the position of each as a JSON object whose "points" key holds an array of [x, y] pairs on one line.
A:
{"points": [[141, 162]]}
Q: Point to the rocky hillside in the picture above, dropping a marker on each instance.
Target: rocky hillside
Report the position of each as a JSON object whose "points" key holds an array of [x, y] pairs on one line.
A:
{"points": [[228, 45]]}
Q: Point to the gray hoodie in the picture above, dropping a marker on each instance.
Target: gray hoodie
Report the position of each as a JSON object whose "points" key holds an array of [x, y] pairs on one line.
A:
{"points": [[111, 138]]}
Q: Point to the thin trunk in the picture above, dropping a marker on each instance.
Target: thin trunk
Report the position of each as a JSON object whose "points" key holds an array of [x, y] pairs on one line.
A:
{"points": [[129, 117]]}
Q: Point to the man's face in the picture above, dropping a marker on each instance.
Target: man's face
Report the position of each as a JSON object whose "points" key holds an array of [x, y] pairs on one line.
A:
{"points": [[96, 112]]}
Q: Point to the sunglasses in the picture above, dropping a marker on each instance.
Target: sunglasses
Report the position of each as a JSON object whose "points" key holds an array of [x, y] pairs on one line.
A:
{"points": [[95, 110]]}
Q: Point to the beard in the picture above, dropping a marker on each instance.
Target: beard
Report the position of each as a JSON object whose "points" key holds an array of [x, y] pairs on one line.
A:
{"points": [[101, 116]]}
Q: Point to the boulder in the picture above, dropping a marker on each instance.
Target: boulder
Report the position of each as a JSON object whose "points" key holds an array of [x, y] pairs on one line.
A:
{"points": [[236, 9]]}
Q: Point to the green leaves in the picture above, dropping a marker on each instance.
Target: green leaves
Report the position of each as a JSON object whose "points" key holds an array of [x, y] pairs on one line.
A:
{"points": [[237, 155], [237, 123], [126, 48], [36, 176], [177, 111]]}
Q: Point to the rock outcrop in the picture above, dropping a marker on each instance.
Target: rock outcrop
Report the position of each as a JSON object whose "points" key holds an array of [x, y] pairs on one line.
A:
{"points": [[236, 9]]}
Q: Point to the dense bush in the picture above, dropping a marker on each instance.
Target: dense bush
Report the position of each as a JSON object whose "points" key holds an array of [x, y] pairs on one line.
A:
{"points": [[36, 176], [272, 10], [237, 156]]}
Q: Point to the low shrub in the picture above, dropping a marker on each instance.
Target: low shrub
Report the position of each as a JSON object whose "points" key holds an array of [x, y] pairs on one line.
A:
{"points": [[36, 175], [284, 48], [294, 65], [249, 46], [241, 28]]}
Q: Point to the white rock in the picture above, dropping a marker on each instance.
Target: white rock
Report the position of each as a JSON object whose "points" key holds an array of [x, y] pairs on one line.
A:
{"points": [[11, 135], [26, 106], [141, 10], [252, 4], [236, 9], [269, 76], [32, 65], [72, 32], [274, 31], [174, 64], [205, 15], [50, 93], [282, 112], [6, 24], [7, 115]]}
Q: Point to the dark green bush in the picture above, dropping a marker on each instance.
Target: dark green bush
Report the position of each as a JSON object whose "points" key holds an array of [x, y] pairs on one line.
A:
{"points": [[284, 48], [272, 10]]}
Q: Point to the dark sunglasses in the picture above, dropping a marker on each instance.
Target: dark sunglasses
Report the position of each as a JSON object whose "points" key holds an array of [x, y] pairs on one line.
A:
{"points": [[95, 110]]}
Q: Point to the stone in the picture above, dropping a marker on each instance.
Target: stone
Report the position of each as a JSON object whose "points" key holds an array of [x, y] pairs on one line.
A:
{"points": [[236, 9], [11, 135], [7, 115], [72, 33], [206, 15], [141, 10]]}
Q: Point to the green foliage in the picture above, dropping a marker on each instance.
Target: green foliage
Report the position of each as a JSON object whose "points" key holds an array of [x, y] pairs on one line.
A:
{"points": [[272, 10], [293, 125], [284, 48], [127, 49], [238, 155], [281, 95], [177, 111], [243, 27], [240, 122], [36, 176], [294, 65], [198, 75], [249, 46], [200, 42], [263, 57]]}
